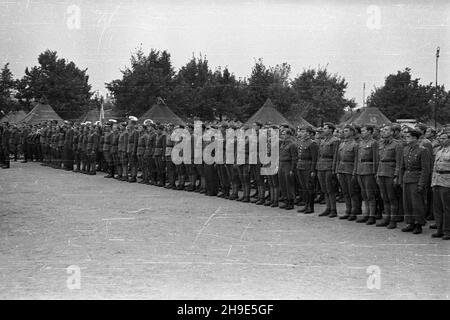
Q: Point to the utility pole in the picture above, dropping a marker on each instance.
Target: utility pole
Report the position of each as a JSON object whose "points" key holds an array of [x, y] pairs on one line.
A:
{"points": [[436, 92]]}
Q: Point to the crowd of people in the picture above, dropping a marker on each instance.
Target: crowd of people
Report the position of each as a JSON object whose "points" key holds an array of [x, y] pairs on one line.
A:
{"points": [[383, 175]]}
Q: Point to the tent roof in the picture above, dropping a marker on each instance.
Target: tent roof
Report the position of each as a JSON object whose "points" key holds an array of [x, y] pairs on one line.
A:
{"points": [[161, 113], [14, 116], [268, 113], [369, 115], [41, 112]]}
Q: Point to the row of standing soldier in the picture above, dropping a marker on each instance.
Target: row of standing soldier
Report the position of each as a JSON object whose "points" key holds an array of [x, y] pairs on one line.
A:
{"points": [[383, 173]]}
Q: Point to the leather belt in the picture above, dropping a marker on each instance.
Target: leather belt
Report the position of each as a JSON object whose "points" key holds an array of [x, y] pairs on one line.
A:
{"points": [[443, 171], [388, 161]]}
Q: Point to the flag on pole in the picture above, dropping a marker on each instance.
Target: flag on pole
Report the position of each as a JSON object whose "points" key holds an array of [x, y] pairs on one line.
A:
{"points": [[102, 114]]}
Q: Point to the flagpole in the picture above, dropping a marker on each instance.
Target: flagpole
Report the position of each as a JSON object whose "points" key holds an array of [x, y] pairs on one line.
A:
{"points": [[436, 93], [364, 94]]}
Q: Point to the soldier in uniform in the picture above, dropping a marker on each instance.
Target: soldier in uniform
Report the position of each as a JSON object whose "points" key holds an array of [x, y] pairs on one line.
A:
{"points": [[140, 152], [306, 167], [390, 152], [5, 145], [106, 149], [122, 149], [441, 187], [24, 143], [76, 152], [327, 151], [181, 170], [158, 155], [149, 151], [414, 175], [68, 146], [255, 170], [92, 148], [114, 149], [345, 162], [286, 171], [61, 139], [365, 170], [170, 166], [244, 168]]}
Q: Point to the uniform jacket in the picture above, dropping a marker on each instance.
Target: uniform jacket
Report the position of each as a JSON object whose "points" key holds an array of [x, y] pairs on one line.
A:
{"points": [[441, 169], [307, 150], [68, 138], [114, 142], [390, 152], [142, 142], [289, 152], [415, 165], [346, 156], [133, 137], [368, 158], [123, 141], [107, 139], [327, 151]]}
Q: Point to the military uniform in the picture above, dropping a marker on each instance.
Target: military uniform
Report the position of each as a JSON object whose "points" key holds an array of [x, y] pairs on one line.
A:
{"points": [[390, 152], [91, 150], [122, 149], [140, 152], [308, 151], [170, 166], [5, 146], [327, 151], [76, 152], [106, 151], [365, 170], [345, 163], [114, 153], [286, 172], [68, 149], [414, 173], [149, 159], [441, 192]]}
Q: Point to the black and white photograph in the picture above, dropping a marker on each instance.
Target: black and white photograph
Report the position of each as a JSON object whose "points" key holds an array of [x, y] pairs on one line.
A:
{"points": [[224, 150]]}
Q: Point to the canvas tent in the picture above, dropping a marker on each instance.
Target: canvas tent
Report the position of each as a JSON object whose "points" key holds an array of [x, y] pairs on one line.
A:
{"points": [[13, 116], [268, 113], [161, 113], [370, 115], [41, 112]]}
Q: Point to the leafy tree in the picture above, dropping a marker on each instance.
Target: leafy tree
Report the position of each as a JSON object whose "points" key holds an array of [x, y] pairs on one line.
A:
{"points": [[402, 97], [7, 88], [321, 95], [61, 83], [149, 77]]}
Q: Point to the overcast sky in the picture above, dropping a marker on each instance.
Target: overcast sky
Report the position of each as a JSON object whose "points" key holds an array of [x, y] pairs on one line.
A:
{"points": [[362, 41]]}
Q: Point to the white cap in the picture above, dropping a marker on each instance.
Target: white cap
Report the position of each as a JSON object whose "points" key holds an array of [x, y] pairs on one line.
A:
{"points": [[112, 120], [97, 123], [132, 118], [148, 121]]}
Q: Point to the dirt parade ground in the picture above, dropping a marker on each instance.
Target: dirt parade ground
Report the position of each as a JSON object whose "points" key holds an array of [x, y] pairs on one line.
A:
{"points": [[72, 236]]}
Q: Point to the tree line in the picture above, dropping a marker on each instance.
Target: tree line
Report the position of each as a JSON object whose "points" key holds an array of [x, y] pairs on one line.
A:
{"points": [[196, 91]]}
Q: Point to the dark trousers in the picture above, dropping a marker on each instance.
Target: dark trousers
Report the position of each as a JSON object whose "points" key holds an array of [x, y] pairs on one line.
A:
{"points": [[68, 158], [171, 171], [244, 174], [351, 193], [223, 177], [413, 204], [211, 179], [92, 159], [306, 185], [116, 163], [328, 188], [124, 163], [286, 180], [389, 196], [255, 169], [133, 161], [441, 207], [369, 190]]}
